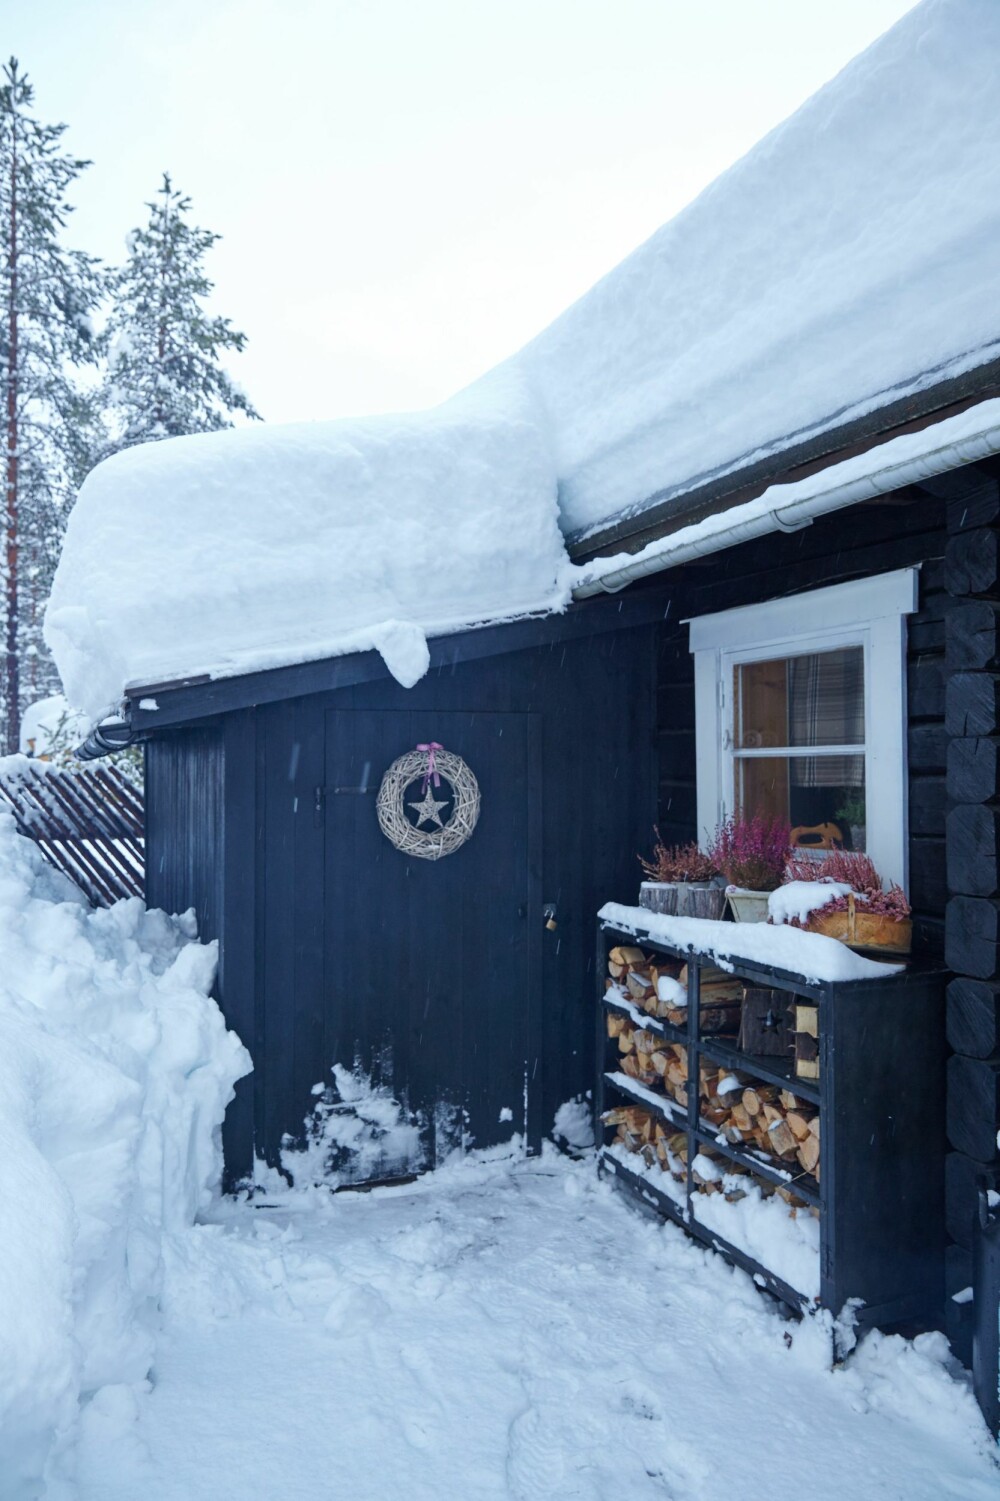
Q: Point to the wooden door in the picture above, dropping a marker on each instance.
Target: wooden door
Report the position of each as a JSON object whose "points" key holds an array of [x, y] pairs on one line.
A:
{"points": [[432, 967]]}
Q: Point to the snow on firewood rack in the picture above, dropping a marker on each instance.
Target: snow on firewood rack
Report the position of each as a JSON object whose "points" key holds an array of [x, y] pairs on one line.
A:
{"points": [[88, 824]]}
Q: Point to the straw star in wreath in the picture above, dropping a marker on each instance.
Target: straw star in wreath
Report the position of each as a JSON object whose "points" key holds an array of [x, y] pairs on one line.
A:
{"points": [[428, 809]]}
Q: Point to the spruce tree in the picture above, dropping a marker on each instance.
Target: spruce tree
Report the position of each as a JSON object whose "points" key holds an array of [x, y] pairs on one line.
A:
{"points": [[47, 294], [164, 375]]}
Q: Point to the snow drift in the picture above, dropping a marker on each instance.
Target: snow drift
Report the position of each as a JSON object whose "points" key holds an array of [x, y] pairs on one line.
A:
{"points": [[115, 1071]]}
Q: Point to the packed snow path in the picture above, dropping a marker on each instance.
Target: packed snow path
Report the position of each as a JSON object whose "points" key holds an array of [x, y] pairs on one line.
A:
{"points": [[507, 1332]]}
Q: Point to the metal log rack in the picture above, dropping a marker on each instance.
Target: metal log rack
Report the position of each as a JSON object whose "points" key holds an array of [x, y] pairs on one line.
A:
{"points": [[880, 1095]]}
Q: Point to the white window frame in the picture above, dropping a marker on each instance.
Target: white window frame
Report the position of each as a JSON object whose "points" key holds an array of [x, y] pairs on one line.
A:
{"points": [[870, 613]]}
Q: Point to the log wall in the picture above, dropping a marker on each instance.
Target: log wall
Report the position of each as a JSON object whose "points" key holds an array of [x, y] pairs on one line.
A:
{"points": [[972, 579]]}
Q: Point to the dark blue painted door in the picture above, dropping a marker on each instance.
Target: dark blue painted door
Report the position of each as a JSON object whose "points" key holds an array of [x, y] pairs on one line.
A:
{"points": [[432, 967]]}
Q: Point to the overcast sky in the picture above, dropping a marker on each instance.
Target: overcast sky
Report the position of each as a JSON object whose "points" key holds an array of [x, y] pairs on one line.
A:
{"points": [[409, 189]]}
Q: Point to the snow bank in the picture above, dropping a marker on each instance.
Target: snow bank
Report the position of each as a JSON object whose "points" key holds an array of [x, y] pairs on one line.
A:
{"points": [[115, 1070], [229, 552], [810, 955], [848, 258]]}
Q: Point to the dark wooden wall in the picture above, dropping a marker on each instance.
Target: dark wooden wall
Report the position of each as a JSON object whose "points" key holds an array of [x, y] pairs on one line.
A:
{"points": [[263, 861], [184, 776]]}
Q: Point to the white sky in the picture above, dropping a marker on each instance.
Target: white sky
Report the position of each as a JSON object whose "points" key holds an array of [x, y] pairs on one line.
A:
{"points": [[408, 190]]}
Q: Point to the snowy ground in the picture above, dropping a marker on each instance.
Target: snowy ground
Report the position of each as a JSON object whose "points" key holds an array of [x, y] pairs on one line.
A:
{"points": [[507, 1331]]}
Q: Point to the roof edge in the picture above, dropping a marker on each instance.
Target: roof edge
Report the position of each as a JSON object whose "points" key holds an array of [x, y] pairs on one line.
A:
{"points": [[665, 512]]}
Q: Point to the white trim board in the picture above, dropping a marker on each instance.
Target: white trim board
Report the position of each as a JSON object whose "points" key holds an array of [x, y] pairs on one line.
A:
{"points": [[839, 605], [870, 613]]}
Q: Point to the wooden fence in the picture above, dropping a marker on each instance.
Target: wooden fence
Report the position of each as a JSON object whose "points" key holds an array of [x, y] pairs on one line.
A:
{"points": [[87, 823]]}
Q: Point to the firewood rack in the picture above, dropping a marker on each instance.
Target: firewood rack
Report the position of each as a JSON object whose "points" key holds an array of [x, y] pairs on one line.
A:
{"points": [[881, 1098]]}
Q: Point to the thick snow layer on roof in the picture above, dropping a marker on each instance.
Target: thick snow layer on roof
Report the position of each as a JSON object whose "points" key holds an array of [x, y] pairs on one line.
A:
{"points": [[230, 552], [849, 257]]}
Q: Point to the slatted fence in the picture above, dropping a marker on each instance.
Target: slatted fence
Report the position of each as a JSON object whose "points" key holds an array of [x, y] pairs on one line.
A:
{"points": [[87, 823]]}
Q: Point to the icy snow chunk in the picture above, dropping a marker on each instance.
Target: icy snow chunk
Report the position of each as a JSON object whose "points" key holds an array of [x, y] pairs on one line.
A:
{"points": [[799, 899], [574, 1124], [229, 552]]}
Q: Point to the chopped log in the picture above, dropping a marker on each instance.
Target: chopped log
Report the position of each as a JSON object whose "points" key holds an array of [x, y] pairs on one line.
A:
{"points": [[806, 1056], [972, 703], [973, 769], [622, 958], [742, 1119], [630, 1066], [617, 1116], [715, 985], [972, 935], [973, 1110], [791, 1101], [973, 845], [626, 1040], [972, 561], [639, 984], [647, 1042], [808, 1153], [616, 1023], [798, 1124], [759, 1095], [659, 1062], [807, 1019], [974, 1017], [814, 1126], [781, 1139]]}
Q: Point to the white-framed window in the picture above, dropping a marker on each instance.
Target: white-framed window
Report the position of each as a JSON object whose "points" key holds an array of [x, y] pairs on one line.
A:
{"points": [[800, 710]]}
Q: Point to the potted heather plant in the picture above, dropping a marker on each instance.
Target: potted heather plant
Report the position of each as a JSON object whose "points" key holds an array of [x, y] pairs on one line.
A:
{"points": [[751, 853], [860, 911], [682, 879]]}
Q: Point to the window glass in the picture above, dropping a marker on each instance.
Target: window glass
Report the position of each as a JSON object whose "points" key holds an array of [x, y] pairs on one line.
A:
{"points": [[796, 723]]}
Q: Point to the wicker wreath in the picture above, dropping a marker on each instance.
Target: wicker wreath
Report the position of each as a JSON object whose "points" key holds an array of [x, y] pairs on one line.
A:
{"points": [[444, 832]]}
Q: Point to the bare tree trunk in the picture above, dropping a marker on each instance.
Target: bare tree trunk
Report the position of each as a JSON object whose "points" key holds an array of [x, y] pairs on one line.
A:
{"points": [[12, 687]]}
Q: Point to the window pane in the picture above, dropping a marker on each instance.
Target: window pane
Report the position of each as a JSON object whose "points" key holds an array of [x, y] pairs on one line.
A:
{"points": [[822, 797], [817, 699]]}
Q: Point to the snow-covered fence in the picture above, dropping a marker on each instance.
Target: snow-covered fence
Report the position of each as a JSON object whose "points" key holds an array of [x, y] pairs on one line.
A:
{"points": [[88, 824]]}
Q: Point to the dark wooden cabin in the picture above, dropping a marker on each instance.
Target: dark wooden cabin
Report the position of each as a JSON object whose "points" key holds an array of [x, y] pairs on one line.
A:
{"points": [[466, 985]]}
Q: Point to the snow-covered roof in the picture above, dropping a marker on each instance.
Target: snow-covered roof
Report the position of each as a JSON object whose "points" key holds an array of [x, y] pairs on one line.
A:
{"points": [[851, 258], [257, 547]]}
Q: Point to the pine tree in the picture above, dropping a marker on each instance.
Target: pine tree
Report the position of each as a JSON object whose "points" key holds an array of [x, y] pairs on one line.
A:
{"points": [[165, 378], [47, 294]]}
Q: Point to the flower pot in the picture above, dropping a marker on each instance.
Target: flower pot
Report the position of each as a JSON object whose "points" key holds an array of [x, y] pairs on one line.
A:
{"points": [[747, 906], [659, 896], [864, 930], [683, 898], [701, 899]]}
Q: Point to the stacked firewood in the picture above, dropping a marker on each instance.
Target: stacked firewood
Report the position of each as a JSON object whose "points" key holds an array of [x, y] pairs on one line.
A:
{"points": [[649, 1059], [758, 1117], [762, 1118], [652, 1139], [659, 988], [744, 1111]]}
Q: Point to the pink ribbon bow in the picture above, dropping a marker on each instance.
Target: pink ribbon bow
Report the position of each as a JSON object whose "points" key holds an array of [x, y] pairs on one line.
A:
{"points": [[430, 747]]}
